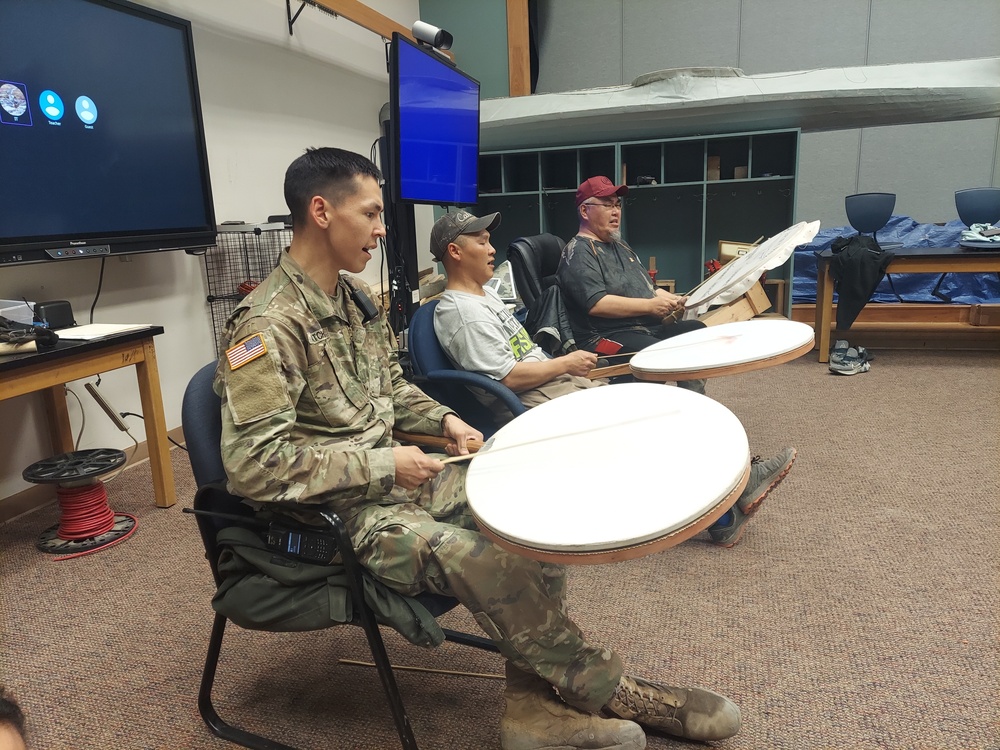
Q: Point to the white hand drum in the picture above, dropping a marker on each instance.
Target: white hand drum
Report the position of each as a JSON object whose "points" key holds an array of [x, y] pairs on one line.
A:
{"points": [[726, 349], [608, 474]]}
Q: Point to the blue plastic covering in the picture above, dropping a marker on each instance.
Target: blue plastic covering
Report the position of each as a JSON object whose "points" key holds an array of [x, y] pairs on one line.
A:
{"points": [[959, 288]]}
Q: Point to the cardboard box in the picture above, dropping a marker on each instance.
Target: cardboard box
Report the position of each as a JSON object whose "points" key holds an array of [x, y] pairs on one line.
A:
{"points": [[740, 173], [712, 175], [729, 250], [714, 162]]}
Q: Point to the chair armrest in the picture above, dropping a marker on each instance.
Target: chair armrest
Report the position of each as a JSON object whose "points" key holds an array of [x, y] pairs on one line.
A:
{"points": [[475, 380]]}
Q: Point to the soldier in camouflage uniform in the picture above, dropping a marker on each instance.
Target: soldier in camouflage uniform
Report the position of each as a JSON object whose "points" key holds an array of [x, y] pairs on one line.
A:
{"points": [[311, 393]]}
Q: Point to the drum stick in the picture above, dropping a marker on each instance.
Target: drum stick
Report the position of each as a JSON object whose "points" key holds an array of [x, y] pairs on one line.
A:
{"points": [[559, 436], [610, 371], [485, 675]]}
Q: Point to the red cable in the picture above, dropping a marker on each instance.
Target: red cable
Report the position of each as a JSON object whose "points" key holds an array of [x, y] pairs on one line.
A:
{"points": [[85, 512], [130, 532]]}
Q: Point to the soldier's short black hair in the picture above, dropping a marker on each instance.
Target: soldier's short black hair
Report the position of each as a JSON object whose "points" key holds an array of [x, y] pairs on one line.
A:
{"points": [[11, 713], [329, 172]]}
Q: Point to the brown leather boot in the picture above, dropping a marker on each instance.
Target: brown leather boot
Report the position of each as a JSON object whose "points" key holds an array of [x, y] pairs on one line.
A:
{"points": [[692, 713], [537, 719]]}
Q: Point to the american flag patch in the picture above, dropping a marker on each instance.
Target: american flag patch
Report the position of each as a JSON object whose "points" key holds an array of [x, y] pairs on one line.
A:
{"points": [[246, 351]]}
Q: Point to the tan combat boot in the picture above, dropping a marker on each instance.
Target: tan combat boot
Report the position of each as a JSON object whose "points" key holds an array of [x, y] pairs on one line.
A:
{"points": [[537, 719], [692, 713]]}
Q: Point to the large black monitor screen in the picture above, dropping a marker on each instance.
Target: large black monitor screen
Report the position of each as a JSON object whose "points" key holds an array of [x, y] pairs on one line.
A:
{"points": [[100, 130], [435, 119]]}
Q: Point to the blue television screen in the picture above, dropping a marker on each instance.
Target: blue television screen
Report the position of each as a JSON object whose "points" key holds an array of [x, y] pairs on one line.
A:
{"points": [[435, 120], [101, 132]]}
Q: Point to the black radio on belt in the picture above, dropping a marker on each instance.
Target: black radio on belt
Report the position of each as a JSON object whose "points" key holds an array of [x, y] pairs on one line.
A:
{"points": [[301, 544]]}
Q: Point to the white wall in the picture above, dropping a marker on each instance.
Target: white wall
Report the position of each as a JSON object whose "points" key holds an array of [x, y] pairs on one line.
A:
{"points": [[266, 97]]}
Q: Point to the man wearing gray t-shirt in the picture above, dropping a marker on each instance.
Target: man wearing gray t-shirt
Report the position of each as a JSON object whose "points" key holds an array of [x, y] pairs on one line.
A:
{"points": [[479, 333]]}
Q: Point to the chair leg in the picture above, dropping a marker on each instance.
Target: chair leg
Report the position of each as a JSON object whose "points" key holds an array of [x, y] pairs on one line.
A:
{"points": [[212, 719], [385, 673], [366, 616]]}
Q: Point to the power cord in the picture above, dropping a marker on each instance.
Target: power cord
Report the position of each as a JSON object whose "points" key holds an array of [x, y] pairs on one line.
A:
{"points": [[133, 414], [83, 417], [100, 283]]}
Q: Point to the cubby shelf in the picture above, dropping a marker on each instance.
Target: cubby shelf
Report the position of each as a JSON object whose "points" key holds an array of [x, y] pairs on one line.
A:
{"points": [[736, 187]]}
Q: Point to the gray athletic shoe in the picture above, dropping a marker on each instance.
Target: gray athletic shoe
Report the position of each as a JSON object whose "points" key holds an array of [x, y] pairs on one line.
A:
{"points": [[729, 535], [851, 363], [765, 474], [838, 350]]}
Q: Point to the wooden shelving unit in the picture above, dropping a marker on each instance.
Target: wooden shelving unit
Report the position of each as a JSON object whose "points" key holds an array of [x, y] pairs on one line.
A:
{"points": [[679, 213]]}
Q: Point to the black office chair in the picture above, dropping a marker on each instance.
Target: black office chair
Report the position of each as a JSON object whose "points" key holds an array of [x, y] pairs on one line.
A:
{"points": [[439, 378], [534, 261], [978, 205], [202, 424], [869, 212]]}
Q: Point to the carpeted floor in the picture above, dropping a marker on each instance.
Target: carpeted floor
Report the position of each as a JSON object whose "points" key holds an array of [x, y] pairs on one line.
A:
{"points": [[859, 611]]}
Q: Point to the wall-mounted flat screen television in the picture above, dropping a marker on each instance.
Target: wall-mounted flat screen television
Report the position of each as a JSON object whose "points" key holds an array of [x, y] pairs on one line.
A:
{"points": [[434, 110], [100, 131]]}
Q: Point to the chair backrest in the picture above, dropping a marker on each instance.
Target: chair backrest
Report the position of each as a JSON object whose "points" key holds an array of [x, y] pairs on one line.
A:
{"points": [[445, 383], [426, 354], [978, 205], [869, 212], [534, 261], [201, 420]]}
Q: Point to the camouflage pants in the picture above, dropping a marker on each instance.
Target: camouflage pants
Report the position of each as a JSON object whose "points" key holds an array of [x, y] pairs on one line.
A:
{"points": [[428, 542]]}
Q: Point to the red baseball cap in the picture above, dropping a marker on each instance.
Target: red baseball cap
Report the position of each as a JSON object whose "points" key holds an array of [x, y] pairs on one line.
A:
{"points": [[599, 187]]}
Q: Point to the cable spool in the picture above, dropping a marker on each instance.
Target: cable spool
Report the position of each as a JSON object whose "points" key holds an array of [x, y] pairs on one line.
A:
{"points": [[86, 523]]}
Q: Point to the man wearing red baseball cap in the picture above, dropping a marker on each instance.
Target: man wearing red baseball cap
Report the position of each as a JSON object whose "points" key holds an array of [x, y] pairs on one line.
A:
{"points": [[606, 289]]}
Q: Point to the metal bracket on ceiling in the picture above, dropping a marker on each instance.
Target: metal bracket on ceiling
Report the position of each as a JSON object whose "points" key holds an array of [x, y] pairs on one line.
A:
{"points": [[302, 4]]}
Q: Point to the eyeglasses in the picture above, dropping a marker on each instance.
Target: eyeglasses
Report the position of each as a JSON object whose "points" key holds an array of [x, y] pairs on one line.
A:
{"points": [[613, 206]]}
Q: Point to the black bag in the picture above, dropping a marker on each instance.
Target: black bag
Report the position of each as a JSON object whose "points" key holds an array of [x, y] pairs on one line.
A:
{"points": [[263, 590]]}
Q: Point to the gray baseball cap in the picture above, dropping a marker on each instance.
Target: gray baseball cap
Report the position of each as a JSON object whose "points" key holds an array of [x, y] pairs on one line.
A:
{"points": [[448, 227]]}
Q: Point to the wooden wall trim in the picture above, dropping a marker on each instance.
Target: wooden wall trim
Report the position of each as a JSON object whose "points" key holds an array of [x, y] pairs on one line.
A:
{"points": [[370, 19], [518, 48]]}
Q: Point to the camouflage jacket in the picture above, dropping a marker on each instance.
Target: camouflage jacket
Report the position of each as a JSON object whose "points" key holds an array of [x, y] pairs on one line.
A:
{"points": [[311, 394]]}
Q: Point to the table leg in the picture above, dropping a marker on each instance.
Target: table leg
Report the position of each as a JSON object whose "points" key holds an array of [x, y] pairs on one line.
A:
{"points": [[156, 428], [57, 413], [824, 309]]}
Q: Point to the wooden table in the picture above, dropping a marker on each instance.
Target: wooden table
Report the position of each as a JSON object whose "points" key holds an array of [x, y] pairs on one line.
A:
{"points": [[906, 260], [48, 370]]}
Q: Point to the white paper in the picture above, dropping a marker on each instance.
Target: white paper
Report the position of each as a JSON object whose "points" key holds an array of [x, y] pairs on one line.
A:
{"points": [[98, 330]]}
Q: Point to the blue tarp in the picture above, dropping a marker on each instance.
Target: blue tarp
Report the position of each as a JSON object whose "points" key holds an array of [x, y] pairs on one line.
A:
{"points": [[959, 288]]}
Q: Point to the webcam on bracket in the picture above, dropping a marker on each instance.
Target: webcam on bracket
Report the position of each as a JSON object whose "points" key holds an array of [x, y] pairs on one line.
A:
{"points": [[431, 35]]}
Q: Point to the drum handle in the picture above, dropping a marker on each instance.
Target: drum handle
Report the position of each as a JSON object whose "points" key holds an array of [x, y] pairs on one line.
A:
{"points": [[432, 441]]}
